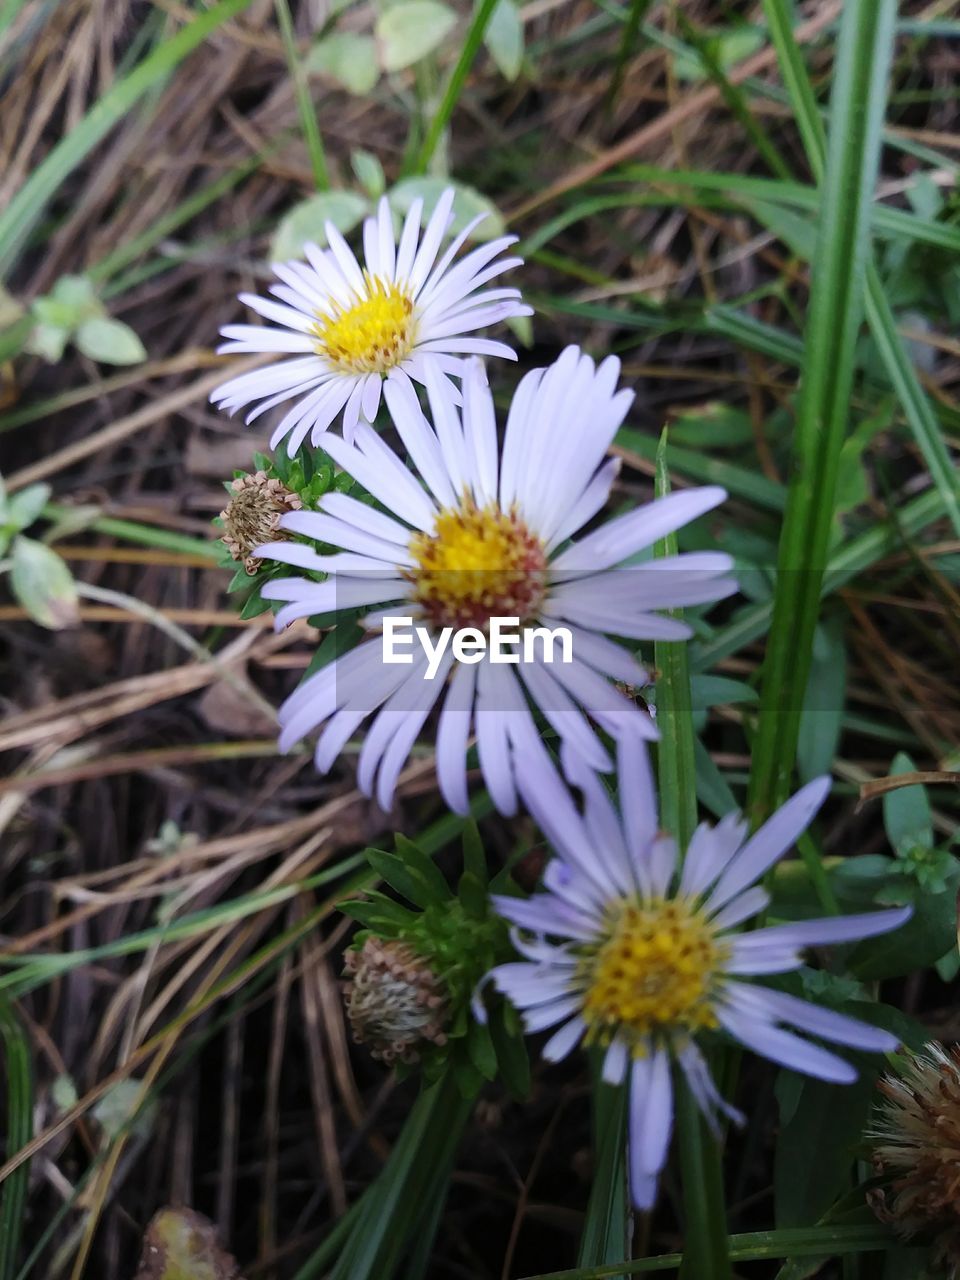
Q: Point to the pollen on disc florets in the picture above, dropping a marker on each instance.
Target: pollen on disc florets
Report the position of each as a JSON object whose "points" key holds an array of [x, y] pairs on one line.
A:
{"points": [[373, 334], [479, 563], [252, 515], [655, 972], [917, 1144], [396, 1003]]}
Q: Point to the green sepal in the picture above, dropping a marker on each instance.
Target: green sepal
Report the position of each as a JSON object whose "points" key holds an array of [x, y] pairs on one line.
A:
{"points": [[473, 896], [377, 913], [480, 1047], [513, 1060], [254, 606], [424, 867], [474, 859], [407, 880]]}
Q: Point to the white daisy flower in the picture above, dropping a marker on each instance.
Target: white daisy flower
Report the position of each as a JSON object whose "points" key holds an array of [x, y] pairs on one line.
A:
{"points": [[485, 536], [349, 326], [644, 954]]}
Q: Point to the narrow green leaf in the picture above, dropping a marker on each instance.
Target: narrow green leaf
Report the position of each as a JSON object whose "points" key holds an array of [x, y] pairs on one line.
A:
{"points": [[606, 1227], [835, 314], [19, 1129], [471, 45]]}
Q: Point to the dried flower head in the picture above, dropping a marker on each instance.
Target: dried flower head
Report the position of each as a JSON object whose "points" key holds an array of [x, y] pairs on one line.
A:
{"points": [[917, 1143], [396, 1003], [252, 516]]}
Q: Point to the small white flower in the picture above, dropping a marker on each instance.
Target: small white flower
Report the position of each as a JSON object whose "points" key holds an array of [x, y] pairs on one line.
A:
{"points": [[647, 955], [487, 537], [348, 326]]}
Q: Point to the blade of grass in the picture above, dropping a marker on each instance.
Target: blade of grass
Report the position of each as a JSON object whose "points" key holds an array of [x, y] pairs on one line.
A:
{"points": [[752, 1246], [835, 314], [704, 1215], [301, 87], [752, 621], [479, 22], [19, 1127], [734, 96], [916, 404], [606, 1227], [414, 1178], [625, 51], [27, 206]]}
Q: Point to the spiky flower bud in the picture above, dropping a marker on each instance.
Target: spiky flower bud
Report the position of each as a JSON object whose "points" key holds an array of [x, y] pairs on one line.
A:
{"points": [[917, 1144], [252, 515], [395, 1002]]}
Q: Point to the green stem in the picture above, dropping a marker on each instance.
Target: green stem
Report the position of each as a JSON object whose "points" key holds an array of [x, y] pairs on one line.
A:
{"points": [[308, 117], [471, 46], [835, 316], [705, 1255]]}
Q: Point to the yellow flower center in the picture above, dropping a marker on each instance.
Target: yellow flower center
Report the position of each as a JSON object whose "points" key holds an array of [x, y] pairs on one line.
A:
{"points": [[479, 563], [371, 336], [655, 972]]}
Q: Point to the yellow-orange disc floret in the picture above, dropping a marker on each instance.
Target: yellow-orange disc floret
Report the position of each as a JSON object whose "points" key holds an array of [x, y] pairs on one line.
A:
{"points": [[479, 563], [372, 335], [655, 973]]}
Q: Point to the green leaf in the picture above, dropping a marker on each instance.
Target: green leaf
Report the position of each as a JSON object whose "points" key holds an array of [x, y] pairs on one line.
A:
{"points": [[348, 58], [727, 47], [474, 858], [504, 39], [304, 224], [835, 315], [472, 895], [18, 1123], [713, 790], [606, 1227], [25, 507], [377, 913], [929, 934], [423, 866], [109, 341], [78, 294], [822, 718], [125, 1106], [405, 879], [48, 341], [513, 1061], [407, 32], [369, 172], [718, 691], [43, 584], [816, 1143], [906, 812], [480, 1048], [467, 203]]}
